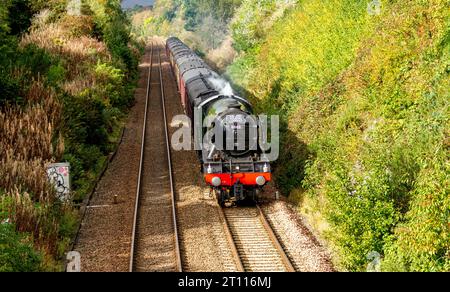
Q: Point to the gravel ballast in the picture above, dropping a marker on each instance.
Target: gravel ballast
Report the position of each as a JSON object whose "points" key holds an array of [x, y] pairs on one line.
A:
{"points": [[105, 235], [304, 250], [204, 246], [104, 240]]}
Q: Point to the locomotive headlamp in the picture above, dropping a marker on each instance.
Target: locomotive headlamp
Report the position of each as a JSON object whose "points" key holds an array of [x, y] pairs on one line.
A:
{"points": [[209, 169], [260, 180], [216, 181], [266, 168]]}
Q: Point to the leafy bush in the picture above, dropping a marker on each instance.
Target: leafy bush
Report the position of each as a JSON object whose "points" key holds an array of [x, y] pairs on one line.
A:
{"points": [[16, 251], [84, 119], [247, 27], [79, 25], [34, 59], [195, 11], [9, 90], [364, 103], [20, 14], [63, 95]]}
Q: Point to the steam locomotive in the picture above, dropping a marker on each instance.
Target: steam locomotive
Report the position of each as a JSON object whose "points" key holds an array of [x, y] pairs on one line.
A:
{"points": [[233, 164]]}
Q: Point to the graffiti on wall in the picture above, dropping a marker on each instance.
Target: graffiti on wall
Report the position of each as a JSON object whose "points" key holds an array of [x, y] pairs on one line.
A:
{"points": [[59, 175]]}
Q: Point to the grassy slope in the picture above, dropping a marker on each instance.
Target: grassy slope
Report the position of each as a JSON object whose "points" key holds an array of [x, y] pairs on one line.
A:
{"points": [[364, 101]]}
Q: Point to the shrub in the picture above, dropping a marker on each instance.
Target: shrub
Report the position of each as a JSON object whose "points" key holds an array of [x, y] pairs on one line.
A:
{"points": [[113, 91], [16, 251], [20, 14], [35, 60], [60, 100], [364, 101], [77, 26], [9, 90]]}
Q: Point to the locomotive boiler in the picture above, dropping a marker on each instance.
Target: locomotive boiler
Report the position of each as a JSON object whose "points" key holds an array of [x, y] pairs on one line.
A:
{"points": [[225, 131]]}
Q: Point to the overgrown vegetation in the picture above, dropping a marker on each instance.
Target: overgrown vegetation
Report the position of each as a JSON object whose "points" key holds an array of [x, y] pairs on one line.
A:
{"points": [[202, 24], [16, 251], [364, 103], [363, 99], [65, 84]]}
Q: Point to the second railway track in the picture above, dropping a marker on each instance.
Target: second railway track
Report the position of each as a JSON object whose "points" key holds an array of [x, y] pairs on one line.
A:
{"points": [[236, 239], [155, 243]]}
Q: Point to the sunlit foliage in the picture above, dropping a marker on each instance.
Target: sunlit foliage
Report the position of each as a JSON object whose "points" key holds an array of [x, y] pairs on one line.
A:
{"points": [[364, 104]]}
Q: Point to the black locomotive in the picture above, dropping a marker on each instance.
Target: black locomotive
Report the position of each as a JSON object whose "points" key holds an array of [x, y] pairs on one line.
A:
{"points": [[224, 129]]}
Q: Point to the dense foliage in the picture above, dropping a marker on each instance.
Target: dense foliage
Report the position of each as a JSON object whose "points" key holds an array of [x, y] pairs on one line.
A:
{"points": [[364, 103], [66, 82], [203, 24], [362, 91], [16, 251], [195, 11]]}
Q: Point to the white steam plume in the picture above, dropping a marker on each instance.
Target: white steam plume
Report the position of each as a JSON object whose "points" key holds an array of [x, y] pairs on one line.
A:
{"points": [[221, 85]]}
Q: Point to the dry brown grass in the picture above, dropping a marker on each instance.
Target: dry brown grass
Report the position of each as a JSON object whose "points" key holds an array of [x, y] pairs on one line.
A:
{"points": [[59, 40], [223, 55], [27, 218], [29, 140], [77, 25]]}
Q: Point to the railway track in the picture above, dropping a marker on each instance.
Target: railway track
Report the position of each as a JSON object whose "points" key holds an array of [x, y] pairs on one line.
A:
{"points": [[254, 243], [154, 241], [237, 240], [155, 244]]}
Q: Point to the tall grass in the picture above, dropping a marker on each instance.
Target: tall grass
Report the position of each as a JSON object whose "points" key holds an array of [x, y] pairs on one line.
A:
{"points": [[29, 141], [68, 94], [76, 51]]}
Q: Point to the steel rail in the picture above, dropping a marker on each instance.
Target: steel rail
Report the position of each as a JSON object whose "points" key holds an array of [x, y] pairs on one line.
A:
{"points": [[141, 164], [286, 261], [240, 258], [169, 161], [229, 235]]}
